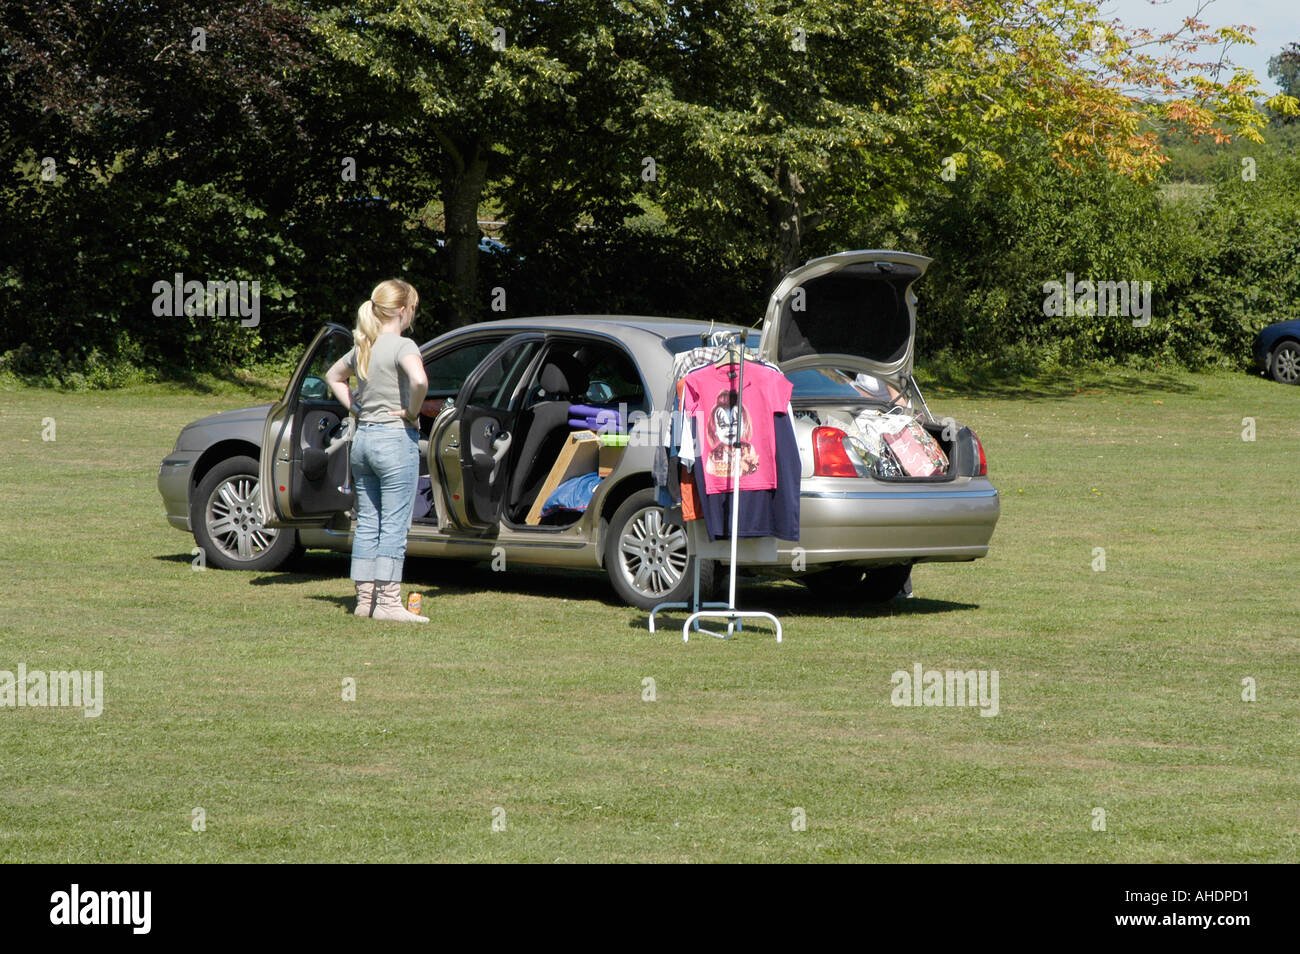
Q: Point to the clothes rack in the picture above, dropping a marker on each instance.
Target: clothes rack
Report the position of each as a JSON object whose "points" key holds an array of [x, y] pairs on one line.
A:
{"points": [[757, 549]]}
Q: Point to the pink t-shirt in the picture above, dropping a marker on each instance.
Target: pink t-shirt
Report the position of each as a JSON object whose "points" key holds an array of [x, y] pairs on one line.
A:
{"points": [[709, 395]]}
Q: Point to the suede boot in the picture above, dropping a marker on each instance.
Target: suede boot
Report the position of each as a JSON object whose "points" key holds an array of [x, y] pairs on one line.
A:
{"points": [[388, 604], [365, 599]]}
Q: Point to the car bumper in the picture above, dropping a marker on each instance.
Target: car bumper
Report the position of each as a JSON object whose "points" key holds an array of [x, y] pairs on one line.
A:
{"points": [[843, 522], [1261, 353], [174, 486]]}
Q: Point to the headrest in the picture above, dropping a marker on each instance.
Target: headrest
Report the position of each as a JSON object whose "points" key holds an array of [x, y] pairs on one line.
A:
{"points": [[563, 374]]}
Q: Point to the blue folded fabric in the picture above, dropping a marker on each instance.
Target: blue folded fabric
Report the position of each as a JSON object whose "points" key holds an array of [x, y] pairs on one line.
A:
{"points": [[574, 494]]}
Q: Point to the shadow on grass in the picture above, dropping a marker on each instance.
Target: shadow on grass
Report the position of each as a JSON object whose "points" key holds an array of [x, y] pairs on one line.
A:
{"points": [[787, 602], [435, 577]]}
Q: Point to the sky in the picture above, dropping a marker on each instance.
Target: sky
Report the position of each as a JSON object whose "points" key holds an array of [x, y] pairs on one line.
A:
{"points": [[1276, 22]]}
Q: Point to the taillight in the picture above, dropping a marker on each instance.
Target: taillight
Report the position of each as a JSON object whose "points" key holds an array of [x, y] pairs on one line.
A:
{"points": [[983, 470], [830, 459]]}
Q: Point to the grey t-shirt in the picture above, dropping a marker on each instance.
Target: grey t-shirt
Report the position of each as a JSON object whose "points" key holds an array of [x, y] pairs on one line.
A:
{"points": [[385, 387]]}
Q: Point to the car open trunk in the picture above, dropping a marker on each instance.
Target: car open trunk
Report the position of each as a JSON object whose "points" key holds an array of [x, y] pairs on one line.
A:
{"points": [[836, 405], [851, 310]]}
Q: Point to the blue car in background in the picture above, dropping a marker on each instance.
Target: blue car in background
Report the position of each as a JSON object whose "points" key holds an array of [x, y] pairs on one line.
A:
{"points": [[1277, 351]]}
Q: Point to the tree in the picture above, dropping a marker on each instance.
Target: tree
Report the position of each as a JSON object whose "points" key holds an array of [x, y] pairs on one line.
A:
{"points": [[142, 133], [803, 116], [475, 72], [1285, 69]]}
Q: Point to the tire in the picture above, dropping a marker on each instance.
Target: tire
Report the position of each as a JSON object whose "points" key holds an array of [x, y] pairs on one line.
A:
{"points": [[876, 585], [1284, 363], [646, 560], [227, 498], [837, 583]]}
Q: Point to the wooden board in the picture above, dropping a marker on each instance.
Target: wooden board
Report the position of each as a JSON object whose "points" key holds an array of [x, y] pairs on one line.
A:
{"points": [[579, 455]]}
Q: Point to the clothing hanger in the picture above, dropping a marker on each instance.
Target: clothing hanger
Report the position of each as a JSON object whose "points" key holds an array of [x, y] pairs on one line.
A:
{"points": [[732, 356], [707, 336]]}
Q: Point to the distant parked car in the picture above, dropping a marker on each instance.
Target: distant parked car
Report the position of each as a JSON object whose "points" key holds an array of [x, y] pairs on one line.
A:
{"points": [[255, 484], [1277, 351]]}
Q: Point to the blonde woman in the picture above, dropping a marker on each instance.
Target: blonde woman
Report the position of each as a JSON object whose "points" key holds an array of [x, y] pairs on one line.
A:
{"points": [[386, 449]]}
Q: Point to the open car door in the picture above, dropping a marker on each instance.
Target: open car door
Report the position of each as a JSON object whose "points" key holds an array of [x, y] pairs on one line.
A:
{"points": [[304, 472], [473, 440]]}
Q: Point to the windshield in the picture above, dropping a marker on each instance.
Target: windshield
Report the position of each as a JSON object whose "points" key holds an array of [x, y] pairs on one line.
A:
{"points": [[836, 385]]}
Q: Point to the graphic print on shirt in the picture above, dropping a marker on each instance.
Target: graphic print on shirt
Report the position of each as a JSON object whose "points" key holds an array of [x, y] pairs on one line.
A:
{"points": [[729, 424]]}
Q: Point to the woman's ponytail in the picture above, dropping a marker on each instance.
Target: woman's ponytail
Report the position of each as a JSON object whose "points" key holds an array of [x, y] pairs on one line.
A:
{"points": [[364, 335]]}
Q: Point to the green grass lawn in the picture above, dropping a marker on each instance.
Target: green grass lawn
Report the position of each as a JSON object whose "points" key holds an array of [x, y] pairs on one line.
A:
{"points": [[1119, 690]]}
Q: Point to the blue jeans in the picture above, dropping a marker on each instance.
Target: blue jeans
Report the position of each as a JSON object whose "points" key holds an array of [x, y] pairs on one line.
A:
{"points": [[386, 470]]}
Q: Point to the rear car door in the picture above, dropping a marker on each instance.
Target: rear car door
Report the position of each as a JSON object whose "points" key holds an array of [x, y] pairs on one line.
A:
{"points": [[304, 471], [475, 439]]}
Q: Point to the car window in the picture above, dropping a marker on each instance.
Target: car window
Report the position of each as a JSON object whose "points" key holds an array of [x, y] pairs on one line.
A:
{"points": [[501, 376], [313, 386], [612, 375], [826, 384], [447, 371], [836, 384], [686, 342]]}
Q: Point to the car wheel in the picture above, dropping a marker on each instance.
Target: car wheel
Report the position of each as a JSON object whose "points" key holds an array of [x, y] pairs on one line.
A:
{"points": [[879, 584], [1284, 365], [646, 558], [226, 515], [836, 583]]}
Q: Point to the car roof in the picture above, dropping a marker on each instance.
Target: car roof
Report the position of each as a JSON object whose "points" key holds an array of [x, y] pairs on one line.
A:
{"points": [[614, 325]]}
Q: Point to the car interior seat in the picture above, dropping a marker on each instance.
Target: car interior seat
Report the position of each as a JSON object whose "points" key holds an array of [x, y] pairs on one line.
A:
{"points": [[544, 424]]}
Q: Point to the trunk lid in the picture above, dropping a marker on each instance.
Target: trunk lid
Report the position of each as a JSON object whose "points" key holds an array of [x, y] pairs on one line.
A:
{"points": [[853, 310]]}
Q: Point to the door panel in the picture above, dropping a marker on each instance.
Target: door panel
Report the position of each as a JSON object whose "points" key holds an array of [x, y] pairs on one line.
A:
{"points": [[473, 443], [304, 472]]}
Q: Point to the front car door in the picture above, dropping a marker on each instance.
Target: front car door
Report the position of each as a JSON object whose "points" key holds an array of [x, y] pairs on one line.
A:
{"points": [[473, 439], [304, 473]]}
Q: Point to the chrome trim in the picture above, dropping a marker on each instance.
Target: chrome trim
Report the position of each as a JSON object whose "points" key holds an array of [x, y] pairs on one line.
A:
{"points": [[234, 420], [896, 495]]}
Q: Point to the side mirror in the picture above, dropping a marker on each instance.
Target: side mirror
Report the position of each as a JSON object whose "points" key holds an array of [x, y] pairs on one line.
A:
{"points": [[314, 389]]}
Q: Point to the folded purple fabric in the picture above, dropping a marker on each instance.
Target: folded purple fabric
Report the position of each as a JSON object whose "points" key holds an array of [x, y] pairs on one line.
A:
{"points": [[603, 419], [583, 410]]}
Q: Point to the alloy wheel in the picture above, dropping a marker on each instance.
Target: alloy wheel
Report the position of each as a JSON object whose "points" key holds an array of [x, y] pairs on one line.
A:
{"points": [[234, 518], [1287, 361], [652, 554]]}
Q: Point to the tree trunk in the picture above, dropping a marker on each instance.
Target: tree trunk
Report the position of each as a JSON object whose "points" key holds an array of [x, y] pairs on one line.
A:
{"points": [[464, 175], [789, 222]]}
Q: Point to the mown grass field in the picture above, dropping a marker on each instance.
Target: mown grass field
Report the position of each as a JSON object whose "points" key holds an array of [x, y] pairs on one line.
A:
{"points": [[1119, 690]]}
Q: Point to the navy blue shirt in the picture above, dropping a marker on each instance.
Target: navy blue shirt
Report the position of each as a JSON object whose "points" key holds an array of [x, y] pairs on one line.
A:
{"points": [[763, 513]]}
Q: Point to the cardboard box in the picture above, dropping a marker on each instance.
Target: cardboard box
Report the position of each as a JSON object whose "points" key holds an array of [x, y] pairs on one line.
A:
{"points": [[611, 452], [609, 456], [579, 455]]}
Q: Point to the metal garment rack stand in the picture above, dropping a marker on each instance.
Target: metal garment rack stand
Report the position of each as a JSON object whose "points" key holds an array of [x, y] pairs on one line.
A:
{"points": [[694, 605], [726, 611]]}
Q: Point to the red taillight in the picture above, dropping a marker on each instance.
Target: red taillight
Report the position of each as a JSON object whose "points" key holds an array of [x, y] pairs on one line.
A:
{"points": [[983, 470], [830, 459]]}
